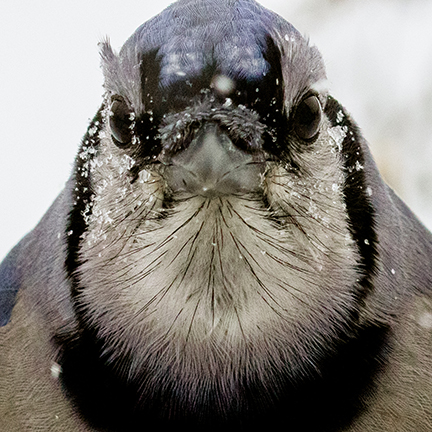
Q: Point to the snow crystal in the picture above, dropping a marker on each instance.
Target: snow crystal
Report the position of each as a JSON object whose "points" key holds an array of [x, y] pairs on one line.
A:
{"points": [[369, 191], [55, 370], [358, 166], [125, 163], [93, 130], [425, 320], [289, 38], [223, 84], [144, 176], [338, 133], [228, 103]]}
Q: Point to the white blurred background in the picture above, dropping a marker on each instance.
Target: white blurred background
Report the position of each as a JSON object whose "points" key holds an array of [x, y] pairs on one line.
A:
{"points": [[379, 62]]}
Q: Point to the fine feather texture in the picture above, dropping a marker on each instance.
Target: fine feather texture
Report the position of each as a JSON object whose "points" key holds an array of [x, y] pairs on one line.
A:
{"points": [[225, 254]]}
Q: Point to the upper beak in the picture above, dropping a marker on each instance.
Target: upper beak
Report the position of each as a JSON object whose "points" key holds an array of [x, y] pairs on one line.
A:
{"points": [[213, 166]]}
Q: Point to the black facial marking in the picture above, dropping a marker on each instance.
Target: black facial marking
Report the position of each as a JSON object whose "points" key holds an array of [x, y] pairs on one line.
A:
{"points": [[147, 123], [361, 216], [81, 197], [263, 95], [150, 69], [266, 97], [191, 90]]}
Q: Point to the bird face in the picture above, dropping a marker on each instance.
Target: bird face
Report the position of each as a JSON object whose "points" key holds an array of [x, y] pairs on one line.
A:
{"points": [[211, 240]]}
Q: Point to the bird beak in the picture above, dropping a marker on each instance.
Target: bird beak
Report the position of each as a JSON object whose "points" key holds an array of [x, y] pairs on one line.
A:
{"points": [[212, 165]]}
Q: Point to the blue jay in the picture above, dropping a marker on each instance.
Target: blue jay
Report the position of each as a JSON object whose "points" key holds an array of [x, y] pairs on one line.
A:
{"points": [[225, 255]]}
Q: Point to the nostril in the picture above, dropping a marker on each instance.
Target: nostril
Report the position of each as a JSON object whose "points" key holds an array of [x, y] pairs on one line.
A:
{"points": [[182, 140], [177, 137]]}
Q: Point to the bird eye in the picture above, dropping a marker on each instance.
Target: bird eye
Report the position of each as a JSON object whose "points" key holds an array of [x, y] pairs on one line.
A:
{"points": [[121, 121], [307, 118]]}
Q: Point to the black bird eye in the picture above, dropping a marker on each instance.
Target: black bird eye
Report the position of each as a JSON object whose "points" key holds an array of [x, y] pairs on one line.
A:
{"points": [[121, 120], [307, 118]]}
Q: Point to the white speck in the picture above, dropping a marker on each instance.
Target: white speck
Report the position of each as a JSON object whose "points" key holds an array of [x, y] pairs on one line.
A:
{"points": [[366, 242], [144, 176], [263, 252], [228, 103], [425, 320], [335, 187], [223, 84], [289, 38], [393, 271], [70, 233], [55, 370], [338, 133], [369, 191], [92, 131], [358, 166], [58, 235], [339, 116]]}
